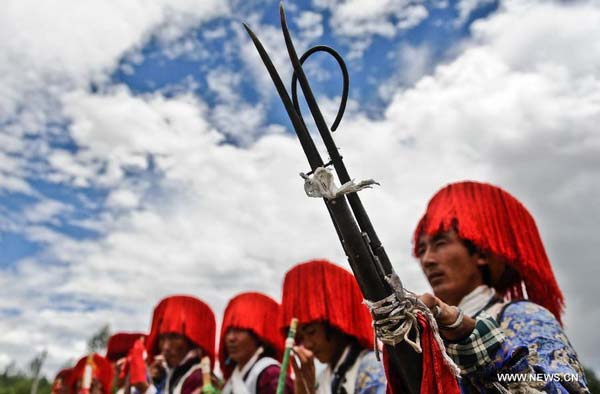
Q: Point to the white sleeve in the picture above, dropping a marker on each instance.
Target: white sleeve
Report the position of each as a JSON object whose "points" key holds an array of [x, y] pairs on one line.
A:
{"points": [[151, 389]]}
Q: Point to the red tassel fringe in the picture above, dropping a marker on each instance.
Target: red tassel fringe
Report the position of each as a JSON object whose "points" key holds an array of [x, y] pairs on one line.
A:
{"points": [[119, 344], [187, 316], [437, 376], [103, 371], [251, 311], [321, 291]]}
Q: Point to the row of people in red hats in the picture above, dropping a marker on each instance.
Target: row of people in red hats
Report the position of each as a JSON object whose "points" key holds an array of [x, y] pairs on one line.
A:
{"points": [[495, 311], [333, 324]]}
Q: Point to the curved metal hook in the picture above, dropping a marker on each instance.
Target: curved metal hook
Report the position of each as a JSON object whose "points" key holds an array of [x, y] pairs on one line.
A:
{"points": [[342, 64]]}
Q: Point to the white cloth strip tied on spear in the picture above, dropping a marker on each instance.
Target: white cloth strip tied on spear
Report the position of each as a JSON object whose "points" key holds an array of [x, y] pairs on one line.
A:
{"points": [[322, 184]]}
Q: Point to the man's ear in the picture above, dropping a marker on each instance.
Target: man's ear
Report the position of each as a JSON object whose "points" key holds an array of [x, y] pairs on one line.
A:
{"points": [[502, 275], [482, 259]]}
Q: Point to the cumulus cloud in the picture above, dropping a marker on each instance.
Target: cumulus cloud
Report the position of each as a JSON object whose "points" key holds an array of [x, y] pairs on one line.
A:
{"points": [[34, 40], [310, 25], [356, 18], [360, 21], [52, 49], [231, 114]]}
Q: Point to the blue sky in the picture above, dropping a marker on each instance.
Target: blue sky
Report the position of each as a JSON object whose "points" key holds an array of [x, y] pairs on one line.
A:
{"points": [[143, 150]]}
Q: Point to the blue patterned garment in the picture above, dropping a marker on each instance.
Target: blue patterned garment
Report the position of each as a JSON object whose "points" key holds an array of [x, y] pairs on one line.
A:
{"points": [[371, 376], [528, 345]]}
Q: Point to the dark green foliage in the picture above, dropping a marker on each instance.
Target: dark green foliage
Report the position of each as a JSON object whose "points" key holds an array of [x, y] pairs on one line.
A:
{"points": [[21, 384]]}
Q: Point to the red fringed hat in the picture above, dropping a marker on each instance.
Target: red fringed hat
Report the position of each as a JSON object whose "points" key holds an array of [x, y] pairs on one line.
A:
{"points": [[187, 316], [321, 291], [496, 222], [119, 344], [61, 380], [255, 312], [101, 370]]}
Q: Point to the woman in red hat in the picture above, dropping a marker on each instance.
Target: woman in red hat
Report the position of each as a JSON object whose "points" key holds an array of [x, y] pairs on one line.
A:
{"points": [[495, 298], [119, 345], [334, 327], [182, 333], [117, 349], [92, 374], [250, 345]]}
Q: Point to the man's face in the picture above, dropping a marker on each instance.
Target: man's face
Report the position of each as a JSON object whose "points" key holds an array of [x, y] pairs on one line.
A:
{"points": [[60, 387], [313, 336], [240, 344], [117, 367], [174, 348], [95, 388], [452, 271]]}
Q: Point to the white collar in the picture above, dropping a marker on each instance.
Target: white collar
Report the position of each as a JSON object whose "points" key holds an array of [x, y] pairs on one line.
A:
{"points": [[477, 299], [237, 377], [250, 362], [196, 352]]}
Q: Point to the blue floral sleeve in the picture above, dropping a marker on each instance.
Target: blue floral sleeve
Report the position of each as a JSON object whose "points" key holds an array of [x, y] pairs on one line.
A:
{"points": [[527, 351], [371, 376], [545, 348]]}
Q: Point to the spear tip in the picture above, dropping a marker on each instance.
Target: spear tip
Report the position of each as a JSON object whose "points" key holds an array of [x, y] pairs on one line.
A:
{"points": [[281, 10]]}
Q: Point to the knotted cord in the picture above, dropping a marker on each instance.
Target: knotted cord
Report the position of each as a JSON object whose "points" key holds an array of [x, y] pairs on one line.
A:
{"points": [[395, 316]]}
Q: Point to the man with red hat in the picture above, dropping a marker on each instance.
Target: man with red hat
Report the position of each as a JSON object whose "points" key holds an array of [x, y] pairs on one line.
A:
{"points": [[60, 384], [334, 326], [250, 345], [495, 298], [92, 374], [182, 333]]}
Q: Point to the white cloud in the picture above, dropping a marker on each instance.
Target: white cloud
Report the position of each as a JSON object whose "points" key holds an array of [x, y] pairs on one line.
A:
{"points": [[123, 198], [98, 34], [360, 21], [355, 18], [45, 211], [224, 84], [119, 130], [50, 49], [219, 32], [14, 184], [310, 25]]}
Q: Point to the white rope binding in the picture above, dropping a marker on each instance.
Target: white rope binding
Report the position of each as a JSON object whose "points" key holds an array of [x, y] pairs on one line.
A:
{"points": [[322, 184], [395, 316]]}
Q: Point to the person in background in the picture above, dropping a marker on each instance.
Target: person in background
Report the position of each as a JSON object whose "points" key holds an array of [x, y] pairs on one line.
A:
{"points": [[251, 345], [60, 384], [92, 374], [334, 326], [182, 333], [117, 349]]}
